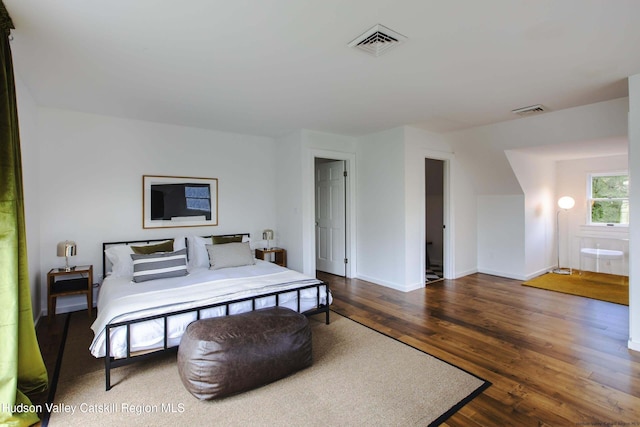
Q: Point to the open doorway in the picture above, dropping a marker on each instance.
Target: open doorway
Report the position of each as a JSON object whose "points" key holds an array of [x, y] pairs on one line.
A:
{"points": [[330, 177], [434, 220]]}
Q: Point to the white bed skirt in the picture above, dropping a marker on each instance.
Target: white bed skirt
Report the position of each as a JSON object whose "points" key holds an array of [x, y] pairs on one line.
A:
{"points": [[120, 299]]}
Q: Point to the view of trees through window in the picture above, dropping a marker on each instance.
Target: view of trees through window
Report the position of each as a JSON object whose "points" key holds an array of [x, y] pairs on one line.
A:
{"points": [[609, 199]]}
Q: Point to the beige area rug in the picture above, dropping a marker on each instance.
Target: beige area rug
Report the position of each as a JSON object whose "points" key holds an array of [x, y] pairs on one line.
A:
{"points": [[358, 377]]}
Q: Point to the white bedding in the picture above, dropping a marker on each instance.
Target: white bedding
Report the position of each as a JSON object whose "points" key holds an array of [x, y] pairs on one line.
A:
{"points": [[121, 299]]}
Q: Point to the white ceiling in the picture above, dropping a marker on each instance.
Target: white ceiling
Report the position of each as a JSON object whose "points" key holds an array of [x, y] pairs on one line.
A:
{"points": [[573, 150], [270, 67]]}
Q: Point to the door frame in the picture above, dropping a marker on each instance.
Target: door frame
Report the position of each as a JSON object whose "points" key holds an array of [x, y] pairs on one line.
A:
{"points": [[447, 214], [309, 219], [332, 265]]}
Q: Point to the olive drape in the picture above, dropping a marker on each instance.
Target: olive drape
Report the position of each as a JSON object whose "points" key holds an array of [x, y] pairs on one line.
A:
{"points": [[22, 369]]}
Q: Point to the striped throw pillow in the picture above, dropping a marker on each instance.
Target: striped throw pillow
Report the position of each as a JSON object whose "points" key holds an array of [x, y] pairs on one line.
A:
{"points": [[159, 265]]}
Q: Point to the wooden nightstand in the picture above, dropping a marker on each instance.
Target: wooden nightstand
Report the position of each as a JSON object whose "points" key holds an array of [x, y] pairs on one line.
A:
{"points": [[280, 255], [63, 283]]}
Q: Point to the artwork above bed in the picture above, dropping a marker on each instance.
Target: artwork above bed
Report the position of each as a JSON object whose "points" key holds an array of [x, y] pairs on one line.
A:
{"points": [[178, 201]]}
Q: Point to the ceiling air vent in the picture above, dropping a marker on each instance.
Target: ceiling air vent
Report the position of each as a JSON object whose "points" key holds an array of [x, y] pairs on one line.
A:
{"points": [[377, 40], [532, 109]]}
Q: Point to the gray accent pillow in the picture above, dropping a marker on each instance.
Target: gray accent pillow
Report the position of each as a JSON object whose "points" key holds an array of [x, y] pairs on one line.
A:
{"points": [[229, 255], [159, 265]]}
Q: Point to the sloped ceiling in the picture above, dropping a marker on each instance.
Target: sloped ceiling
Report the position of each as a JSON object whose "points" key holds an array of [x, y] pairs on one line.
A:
{"points": [[268, 68]]}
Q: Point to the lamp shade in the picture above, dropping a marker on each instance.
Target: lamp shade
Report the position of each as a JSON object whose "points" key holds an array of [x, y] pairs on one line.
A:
{"points": [[267, 234], [566, 202], [67, 248]]}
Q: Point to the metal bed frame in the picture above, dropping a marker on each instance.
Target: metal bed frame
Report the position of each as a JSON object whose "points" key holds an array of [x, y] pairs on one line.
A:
{"points": [[111, 362]]}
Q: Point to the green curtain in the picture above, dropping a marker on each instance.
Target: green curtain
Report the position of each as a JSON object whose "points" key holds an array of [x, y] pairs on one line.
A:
{"points": [[22, 369]]}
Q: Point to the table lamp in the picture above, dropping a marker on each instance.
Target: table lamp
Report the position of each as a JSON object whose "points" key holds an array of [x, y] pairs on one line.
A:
{"points": [[267, 235], [66, 249]]}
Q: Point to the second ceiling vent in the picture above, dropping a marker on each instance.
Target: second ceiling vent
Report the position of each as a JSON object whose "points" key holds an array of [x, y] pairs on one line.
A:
{"points": [[377, 40], [532, 109]]}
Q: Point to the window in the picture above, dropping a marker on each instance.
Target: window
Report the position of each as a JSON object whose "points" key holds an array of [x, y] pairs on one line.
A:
{"points": [[608, 198]]}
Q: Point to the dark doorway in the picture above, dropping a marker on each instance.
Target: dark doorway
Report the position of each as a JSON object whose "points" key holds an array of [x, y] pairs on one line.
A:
{"points": [[434, 219]]}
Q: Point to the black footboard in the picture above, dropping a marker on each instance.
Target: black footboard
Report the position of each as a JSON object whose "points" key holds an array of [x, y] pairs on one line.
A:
{"points": [[111, 362]]}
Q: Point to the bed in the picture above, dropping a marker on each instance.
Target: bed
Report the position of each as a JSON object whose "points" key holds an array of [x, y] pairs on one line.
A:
{"points": [[143, 311]]}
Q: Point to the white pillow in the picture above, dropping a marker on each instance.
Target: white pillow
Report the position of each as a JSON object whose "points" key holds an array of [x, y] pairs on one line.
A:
{"points": [[179, 242], [230, 255], [120, 257], [198, 256]]}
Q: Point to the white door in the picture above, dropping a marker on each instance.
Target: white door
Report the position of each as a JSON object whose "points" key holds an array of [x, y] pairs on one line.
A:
{"points": [[330, 217]]}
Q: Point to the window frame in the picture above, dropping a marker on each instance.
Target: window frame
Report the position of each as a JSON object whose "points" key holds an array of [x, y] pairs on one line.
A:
{"points": [[591, 200]]}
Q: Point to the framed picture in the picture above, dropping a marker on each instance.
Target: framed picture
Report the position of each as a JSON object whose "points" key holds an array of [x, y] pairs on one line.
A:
{"points": [[179, 201]]}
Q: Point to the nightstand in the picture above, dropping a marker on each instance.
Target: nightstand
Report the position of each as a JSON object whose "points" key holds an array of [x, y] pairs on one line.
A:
{"points": [[62, 283], [280, 255]]}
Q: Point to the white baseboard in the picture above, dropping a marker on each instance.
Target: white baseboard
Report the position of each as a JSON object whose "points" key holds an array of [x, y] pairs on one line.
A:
{"points": [[414, 286], [517, 276], [396, 286], [633, 345], [539, 273], [502, 274], [459, 274]]}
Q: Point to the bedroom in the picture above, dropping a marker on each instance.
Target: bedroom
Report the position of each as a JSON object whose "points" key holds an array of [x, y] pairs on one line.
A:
{"points": [[74, 151], [83, 174]]}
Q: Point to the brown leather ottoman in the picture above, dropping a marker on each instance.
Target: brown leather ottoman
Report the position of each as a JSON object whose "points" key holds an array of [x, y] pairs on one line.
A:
{"points": [[226, 355]]}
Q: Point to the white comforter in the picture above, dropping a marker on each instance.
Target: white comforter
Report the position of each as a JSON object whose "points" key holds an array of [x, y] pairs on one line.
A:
{"points": [[121, 299]]}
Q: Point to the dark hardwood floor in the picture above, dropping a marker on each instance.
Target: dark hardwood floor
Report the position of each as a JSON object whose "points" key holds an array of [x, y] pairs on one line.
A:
{"points": [[50, 333], [553, 359]]}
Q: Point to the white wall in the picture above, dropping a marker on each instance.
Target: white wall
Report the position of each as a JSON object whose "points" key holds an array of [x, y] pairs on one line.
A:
{"points": [[501, 235], [91, 171], [27, 116], [465, 219], [634, 219], [289, 199], [391, 205], [537, 178], [381, 208]]}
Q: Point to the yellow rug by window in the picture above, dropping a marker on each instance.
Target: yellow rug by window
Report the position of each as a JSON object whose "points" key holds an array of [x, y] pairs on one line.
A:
{"points": [[601, 286]]}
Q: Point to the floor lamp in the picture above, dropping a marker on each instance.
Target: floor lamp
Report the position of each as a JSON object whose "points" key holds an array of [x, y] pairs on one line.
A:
{"points": [[565, 203]]}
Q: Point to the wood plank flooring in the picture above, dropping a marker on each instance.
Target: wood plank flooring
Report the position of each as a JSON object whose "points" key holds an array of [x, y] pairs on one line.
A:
{"points": [[553, 359]]}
